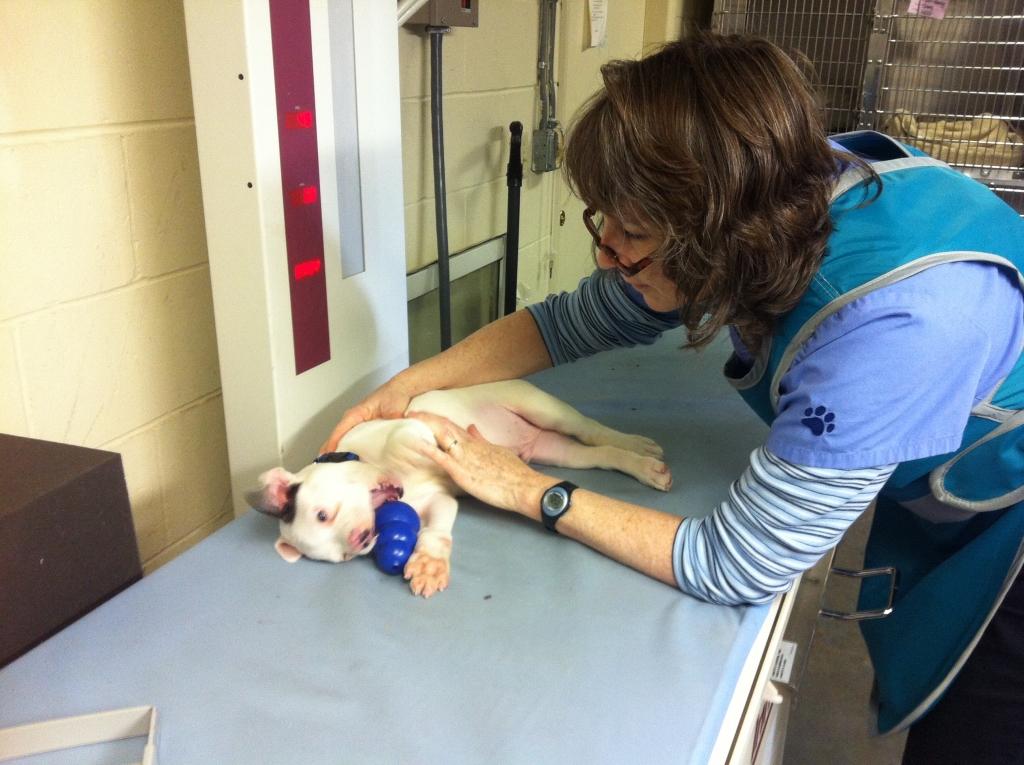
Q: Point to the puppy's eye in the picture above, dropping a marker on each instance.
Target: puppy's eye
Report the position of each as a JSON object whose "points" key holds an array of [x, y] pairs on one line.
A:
{"points": [[321, 516]]}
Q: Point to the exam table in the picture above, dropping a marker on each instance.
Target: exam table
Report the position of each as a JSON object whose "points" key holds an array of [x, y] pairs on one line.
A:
{"points": [[541, 650]]}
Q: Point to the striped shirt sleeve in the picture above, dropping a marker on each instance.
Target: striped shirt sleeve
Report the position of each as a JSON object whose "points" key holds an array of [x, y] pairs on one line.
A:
{"points": [[599, 315], [780, 518]]}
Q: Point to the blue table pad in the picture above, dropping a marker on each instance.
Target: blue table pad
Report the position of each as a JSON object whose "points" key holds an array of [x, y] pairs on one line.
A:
{"points": [[540, 651]]}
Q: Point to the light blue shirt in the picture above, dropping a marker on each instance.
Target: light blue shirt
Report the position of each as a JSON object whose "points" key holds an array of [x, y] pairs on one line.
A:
{"points": [[898, 369], [895, 374]]}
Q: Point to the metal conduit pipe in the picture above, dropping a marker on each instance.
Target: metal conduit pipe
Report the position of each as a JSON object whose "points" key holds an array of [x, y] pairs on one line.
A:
{"points": [[440, 199], [546, 64], [547, 136], [514, 180]]}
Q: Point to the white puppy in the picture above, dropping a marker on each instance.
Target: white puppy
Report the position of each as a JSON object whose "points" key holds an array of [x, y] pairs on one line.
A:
{"points": [[326, 510]]}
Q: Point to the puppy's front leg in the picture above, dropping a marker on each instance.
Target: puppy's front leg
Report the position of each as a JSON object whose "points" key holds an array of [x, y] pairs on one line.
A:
{"points": [[428, 569]]}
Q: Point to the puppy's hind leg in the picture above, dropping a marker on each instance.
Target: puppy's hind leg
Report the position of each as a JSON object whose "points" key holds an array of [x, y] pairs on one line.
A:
{"points": [[553, 448], [550, 413]]}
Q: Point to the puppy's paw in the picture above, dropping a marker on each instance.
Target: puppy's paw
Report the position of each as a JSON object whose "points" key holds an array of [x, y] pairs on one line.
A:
{"points": [[426, 574], [641, 445], [654, 473]]}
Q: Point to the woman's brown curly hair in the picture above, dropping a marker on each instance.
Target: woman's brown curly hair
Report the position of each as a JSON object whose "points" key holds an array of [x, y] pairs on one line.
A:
{"points": [[716, 144]]}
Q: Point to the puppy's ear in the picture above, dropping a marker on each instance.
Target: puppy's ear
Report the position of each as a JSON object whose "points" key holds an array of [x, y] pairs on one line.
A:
{"points": [[277, 497], [287, 551]]}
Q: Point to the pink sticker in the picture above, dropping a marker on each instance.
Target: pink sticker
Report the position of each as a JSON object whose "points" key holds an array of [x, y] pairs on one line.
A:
{"points": [[933, 9]]}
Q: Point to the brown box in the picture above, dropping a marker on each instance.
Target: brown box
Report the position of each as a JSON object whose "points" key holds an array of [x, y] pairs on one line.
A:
{"points": [[448, 13], [67, 540]]}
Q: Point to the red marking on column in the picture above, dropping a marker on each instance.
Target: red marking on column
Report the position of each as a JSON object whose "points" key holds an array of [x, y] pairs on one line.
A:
{"points": [[303, 196], [298, 120], [307, 269]]}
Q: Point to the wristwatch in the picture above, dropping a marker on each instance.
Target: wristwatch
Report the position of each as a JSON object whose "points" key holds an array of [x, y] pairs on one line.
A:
{"points": [[555, 503]]}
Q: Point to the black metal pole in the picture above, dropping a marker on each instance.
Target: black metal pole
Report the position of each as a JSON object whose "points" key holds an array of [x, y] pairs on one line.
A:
{"points": [[514, 179], [440, 200]]}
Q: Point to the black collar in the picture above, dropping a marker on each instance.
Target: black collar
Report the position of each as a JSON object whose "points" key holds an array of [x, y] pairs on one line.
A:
{"points": [[336, 457]]}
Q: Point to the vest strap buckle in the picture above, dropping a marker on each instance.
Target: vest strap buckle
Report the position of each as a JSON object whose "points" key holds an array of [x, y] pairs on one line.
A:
{"points": [[889, 571]]}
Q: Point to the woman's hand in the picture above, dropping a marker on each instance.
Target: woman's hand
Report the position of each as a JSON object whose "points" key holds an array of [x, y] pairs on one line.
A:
{"points": [[388, 402], [636, 536], [489, 472]]}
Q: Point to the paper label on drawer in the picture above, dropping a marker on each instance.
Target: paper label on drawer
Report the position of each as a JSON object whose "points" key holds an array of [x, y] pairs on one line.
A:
{"points": [[933, 9], [782, 667]]}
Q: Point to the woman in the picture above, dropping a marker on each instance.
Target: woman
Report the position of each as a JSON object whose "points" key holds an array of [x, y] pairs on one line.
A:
{"points": [[874, 301]]}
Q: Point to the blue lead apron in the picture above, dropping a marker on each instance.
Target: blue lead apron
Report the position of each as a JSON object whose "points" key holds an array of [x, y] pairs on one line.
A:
{"points": [[960, 547]]}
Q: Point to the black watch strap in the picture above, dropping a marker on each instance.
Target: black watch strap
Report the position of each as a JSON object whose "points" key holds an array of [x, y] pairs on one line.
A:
{"points": [[555, 503]]}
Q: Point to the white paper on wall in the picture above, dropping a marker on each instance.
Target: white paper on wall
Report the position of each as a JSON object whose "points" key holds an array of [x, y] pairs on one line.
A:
{"points": [[598, 22], [934, 9]]}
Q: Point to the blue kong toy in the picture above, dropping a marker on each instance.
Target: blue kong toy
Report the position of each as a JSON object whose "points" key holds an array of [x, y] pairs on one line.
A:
{"points": [[397, 526]]}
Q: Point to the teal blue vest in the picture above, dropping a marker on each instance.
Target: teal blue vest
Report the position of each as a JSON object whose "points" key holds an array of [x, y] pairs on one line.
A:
{"points": [[953, 574]]}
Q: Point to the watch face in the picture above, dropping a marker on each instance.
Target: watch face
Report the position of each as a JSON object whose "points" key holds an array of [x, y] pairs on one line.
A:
{"points": [[555, 500]]}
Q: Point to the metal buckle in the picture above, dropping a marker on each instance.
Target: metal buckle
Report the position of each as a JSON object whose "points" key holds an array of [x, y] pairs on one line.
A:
{"points": [[862, 615]]}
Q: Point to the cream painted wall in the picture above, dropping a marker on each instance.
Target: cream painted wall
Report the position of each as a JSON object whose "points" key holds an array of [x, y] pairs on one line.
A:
{"points": [[633, 26], [665, 20], [662, 21], [579, 76], [489, 79], [106, 319]]}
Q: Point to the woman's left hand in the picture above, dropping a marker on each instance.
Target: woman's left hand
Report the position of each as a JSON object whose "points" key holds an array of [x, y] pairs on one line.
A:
{"points": [[489, 472]]}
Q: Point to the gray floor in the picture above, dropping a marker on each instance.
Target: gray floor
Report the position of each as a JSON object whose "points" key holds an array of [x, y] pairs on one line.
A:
{"points": [[829, 719]]}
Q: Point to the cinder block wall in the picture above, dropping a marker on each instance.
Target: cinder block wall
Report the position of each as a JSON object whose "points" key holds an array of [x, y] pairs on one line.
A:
{"points": [[106, 320], [489, 79]]}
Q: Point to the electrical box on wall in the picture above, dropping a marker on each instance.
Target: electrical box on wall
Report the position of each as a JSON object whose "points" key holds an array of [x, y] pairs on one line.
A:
{"points": [[448, 13], [297, 112]]}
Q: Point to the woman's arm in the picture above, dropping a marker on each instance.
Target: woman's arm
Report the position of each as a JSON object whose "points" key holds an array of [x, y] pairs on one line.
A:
{"points": [[506, 349], [637, 536], [599, 315], [603, 312], [778, 520]]}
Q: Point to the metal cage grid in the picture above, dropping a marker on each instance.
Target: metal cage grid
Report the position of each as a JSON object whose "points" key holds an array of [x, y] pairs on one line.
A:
{"points": [[833, 35], [951, 86]]}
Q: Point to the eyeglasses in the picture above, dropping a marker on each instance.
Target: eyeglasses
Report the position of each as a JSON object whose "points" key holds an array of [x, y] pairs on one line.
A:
{"points": [[627, 269]]}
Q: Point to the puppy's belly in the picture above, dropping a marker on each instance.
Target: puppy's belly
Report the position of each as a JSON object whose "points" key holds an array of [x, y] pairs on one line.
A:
{"points": [[510, 430], [496, 423]]}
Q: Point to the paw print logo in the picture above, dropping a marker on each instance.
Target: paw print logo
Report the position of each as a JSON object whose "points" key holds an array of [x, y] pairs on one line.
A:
{"points": [[819, 420]]}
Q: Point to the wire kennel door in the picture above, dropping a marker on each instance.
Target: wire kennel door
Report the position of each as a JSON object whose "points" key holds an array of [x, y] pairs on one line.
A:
{"points": [[951, 86]]}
